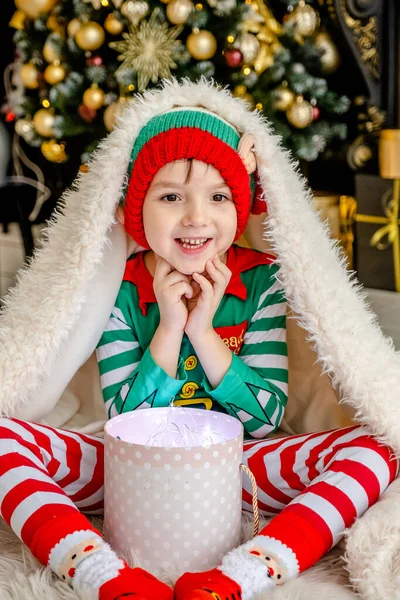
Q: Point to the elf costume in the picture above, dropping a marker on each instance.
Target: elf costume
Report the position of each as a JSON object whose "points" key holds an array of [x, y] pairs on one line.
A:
{"points": [[256, 395], [318, 482]]}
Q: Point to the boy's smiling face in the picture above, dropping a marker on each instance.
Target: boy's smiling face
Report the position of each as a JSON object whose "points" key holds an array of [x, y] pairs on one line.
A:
{"points": [[189, 215]]}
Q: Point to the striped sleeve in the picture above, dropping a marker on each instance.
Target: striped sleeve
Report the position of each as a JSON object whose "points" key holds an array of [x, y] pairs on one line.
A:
{"points": [[130, 378], [255, 387]]}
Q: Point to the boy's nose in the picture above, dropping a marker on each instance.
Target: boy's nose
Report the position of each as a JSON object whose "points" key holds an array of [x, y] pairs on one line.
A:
{"points": [[196, 216]]}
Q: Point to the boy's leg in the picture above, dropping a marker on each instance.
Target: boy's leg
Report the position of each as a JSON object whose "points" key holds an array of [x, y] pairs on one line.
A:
{"points": [[319, 484], [47, 476]]}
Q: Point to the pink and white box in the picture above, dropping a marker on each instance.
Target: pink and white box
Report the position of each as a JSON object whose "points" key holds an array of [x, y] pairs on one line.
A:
{"points": [[173, 487]]}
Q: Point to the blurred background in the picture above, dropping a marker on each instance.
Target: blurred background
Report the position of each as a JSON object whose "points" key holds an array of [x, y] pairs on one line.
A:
{"points": [[326, 73]]}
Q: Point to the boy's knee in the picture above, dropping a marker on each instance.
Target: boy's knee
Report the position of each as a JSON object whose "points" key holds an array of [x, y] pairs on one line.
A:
{"points": [[4, 423], [371, 453], [7, 428]]}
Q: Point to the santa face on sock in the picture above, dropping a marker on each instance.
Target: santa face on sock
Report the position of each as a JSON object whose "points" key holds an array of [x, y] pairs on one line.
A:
{"points": [[275, 569], [75, 556]]}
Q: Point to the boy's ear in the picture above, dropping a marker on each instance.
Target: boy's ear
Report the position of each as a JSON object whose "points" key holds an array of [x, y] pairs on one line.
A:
{"points": [[133, 246], [120, 214]]}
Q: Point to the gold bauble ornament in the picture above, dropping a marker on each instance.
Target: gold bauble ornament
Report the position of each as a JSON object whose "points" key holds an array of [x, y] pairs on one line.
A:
{"points": [[112, 112], [202, 45], [249, 46], [178, 11], [240, 91], [34, 8], [330, 57], [50, 52], [53, 151], [29, 76], [24, 128], [113, 25], [54, 25], [90, 36], [135, 10], [55, 73], [73, 27], [305, 18], [283, 98], [300, 114], [93, 97], [43, 122], [17, 20]]}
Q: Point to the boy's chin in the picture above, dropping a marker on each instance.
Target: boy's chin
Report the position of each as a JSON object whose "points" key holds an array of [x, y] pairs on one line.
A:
{"points": [[186, 269], [192, 265], [187, 265]]}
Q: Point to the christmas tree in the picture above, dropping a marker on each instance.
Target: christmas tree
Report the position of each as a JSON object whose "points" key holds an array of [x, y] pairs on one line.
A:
{"points": [[79, 62]]}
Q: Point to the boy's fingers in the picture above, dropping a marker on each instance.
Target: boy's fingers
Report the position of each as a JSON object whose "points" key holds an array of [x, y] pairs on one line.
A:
{"points": [[205, 285], [215, 273], [227, 273], [181, 289], [175, 277], [163, 268]]}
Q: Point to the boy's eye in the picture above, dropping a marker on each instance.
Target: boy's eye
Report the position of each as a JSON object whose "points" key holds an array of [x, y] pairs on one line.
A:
{"points": [[170, 198], [220, 198]]}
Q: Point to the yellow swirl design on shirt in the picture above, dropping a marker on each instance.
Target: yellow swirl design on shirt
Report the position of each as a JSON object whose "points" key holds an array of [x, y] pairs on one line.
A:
{"points": [[191, 362], [189, 389]]}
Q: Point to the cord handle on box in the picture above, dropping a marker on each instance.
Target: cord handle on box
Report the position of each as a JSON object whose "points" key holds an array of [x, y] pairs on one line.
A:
{"points": [[255, 499]]}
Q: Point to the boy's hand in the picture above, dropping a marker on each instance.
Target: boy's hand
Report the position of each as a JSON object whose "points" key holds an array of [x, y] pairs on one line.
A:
{"points": [[212, 288], [171, 289]]}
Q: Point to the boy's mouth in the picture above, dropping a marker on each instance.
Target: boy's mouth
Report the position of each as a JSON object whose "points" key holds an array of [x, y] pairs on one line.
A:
{"points": [[192, 245]]}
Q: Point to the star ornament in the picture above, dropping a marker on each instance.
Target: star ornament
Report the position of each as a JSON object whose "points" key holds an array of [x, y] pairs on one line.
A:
{"points": [[148, 49]]}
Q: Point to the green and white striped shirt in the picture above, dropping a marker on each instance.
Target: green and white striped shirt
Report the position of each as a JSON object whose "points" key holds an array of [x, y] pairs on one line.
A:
{"points": [[251, 319]]}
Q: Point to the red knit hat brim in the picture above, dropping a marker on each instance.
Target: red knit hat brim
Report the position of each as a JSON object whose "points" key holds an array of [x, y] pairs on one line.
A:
{"points": [[179, 144]]}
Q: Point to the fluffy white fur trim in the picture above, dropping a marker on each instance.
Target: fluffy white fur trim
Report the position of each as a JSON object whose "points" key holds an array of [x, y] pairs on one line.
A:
{"points": [[45, 337], [373, 549], [251, 573]]}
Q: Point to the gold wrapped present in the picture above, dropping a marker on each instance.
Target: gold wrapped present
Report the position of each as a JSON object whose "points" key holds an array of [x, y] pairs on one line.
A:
{"points": [[377, 235], [385, 238]]}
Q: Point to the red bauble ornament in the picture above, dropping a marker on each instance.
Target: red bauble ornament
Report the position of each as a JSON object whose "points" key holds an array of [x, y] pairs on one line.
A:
{"points": [[233, 57], [94, 61], [87, 114], [10, 117], [315, 113]]}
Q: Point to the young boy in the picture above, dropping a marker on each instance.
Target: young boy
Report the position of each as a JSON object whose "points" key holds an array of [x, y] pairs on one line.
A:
{"points": [[197, 321]]}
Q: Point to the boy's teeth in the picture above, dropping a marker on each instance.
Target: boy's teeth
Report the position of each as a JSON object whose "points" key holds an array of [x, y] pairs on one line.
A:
{"points": [[193, 242]]}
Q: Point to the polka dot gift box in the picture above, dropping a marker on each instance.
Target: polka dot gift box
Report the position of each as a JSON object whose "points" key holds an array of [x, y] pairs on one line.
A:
{"points": [[173, 487]]}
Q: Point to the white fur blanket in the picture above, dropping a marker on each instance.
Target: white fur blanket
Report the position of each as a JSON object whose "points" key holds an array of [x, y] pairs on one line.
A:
{"points": [[23, 578]]}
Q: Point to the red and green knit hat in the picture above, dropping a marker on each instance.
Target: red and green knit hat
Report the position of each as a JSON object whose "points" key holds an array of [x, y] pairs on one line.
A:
{"points": [[190, 133]]}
